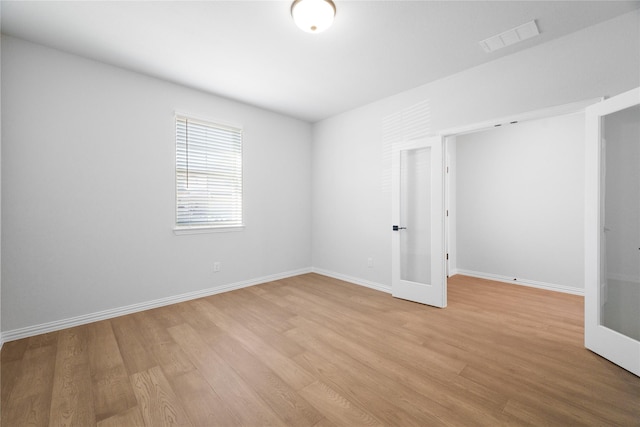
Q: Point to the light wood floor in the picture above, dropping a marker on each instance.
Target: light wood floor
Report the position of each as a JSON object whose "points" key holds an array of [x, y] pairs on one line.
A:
{"points": [[314, 351]]}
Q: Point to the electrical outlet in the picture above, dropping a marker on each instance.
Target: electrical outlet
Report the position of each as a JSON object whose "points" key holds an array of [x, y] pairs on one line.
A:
{"points": [[216, 266], [370, 262]]}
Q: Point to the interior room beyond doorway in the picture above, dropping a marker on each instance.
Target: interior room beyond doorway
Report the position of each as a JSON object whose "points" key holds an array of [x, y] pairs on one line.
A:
{"points": [[516, 203]]}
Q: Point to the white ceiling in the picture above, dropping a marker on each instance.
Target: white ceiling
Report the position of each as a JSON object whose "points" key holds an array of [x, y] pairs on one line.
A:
{"points": [[251, 51]]}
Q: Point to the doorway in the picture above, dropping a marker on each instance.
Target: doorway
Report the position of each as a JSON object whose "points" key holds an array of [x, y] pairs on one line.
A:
{"points": [[438, 198], [517, 203]]}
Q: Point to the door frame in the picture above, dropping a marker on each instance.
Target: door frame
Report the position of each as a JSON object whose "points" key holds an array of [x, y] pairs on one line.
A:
{"points": [[446, 134], [557, 110]]}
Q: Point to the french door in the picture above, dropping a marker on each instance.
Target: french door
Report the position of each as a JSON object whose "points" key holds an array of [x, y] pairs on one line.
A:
{"points": [[612, 233], [418, 264]]}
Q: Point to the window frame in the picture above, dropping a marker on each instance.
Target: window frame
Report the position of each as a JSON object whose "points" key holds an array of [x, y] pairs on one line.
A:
{"points": [[182, 229]]}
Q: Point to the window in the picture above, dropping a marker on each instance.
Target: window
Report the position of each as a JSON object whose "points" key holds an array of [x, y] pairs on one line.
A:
{"points": [[208, 175]]}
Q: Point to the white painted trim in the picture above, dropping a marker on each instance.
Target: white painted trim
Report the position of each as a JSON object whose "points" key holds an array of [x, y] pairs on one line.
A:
{"points": [[57, 325], [558, 110], [207, 120], [356, 281], [453, 272], [522, 282], [180, 231]]}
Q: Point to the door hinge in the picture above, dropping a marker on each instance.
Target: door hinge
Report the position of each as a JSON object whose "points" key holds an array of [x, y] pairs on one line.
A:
{"points": [[447, 257], [447, 212]]}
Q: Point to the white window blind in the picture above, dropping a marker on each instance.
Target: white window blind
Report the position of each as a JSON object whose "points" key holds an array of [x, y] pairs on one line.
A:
{"points": [[208, 174]]}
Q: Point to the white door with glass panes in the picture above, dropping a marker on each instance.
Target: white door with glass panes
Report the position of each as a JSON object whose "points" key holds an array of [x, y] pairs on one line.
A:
{"points": [[612, 233], [418, 264]]}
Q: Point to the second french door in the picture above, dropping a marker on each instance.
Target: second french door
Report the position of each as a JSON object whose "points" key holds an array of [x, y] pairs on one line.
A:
{"points": [[612, 233]]}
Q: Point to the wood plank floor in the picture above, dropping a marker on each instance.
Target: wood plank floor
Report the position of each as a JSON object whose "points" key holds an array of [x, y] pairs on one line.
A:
{"points": [[315, 351]]}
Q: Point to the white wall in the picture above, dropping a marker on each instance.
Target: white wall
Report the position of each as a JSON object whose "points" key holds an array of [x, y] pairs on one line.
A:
{"points": [[88, 192], [520, 202], [351, 204]]}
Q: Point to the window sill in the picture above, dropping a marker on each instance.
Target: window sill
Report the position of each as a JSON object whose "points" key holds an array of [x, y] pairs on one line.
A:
{"points": [[179, 231]]}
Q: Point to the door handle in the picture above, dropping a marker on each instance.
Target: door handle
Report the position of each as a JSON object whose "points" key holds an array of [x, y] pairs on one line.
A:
{"points": [[397, 228]]}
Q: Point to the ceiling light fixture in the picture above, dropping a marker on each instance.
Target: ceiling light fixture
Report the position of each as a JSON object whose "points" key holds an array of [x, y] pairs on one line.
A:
{"points": [[313, 16]]}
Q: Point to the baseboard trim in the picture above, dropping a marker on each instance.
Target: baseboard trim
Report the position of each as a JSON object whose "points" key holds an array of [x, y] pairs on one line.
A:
{"points": [[521, 282], [354, 280], [57, 325]]}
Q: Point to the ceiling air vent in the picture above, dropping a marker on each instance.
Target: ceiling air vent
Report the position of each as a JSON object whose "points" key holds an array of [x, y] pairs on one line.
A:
{"points": [[509, 37]]}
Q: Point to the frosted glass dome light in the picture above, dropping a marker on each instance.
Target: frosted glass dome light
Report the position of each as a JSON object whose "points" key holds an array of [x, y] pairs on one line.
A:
{"points": [[313, 16]]}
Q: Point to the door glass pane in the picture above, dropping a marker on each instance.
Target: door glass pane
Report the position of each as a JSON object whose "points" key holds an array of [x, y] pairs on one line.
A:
{"points": [[415, 215], [620, 281]]}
